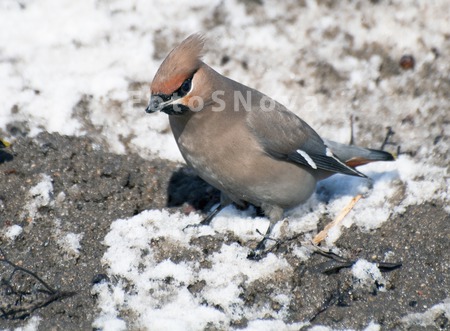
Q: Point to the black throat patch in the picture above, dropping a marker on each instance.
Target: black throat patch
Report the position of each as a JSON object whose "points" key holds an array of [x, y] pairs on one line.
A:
{"points": [[175, 109]]}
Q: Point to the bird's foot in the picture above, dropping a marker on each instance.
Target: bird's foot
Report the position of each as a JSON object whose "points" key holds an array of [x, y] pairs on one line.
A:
{"points": [[195, 225], [261, 251], [207, 220], [256, 255]]}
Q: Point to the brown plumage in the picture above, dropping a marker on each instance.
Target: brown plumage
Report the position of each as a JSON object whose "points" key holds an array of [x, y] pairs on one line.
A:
{"points": [[269, 158], [180, 64]]}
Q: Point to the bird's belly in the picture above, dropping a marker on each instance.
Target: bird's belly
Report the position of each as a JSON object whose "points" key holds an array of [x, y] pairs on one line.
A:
{"points": [[283, 184], [253, 176]]}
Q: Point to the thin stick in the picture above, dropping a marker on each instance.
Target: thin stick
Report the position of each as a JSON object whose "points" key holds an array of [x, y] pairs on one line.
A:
{"points": [[322, 234]]}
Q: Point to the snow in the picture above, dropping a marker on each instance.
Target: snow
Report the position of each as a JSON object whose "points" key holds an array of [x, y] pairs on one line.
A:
{"points": [[70, 243], [12, 232], [31, 325], [372, 326], [430, 316], [59, 54], [367, 275], [40, 195], [131, 257], [262, 325]]}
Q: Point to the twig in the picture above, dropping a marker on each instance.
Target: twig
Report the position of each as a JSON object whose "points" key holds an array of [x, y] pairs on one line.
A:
{"points": [[352, 131], [340, 262], [386, 141], [322, 234], [17, 308]]}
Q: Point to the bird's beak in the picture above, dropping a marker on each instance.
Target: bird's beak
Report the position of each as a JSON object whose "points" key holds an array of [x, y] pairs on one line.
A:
{"points": [[167, 104], [155, 104]]}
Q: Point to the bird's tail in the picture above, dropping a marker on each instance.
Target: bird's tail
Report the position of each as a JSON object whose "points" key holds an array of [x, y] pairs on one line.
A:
{"points": [[354, 156]]}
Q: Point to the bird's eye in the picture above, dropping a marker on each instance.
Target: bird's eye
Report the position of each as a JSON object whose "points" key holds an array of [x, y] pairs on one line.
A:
{"points": [[186, 86]]}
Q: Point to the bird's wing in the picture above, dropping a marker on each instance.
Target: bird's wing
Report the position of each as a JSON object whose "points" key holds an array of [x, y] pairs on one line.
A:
{"points": [[284, 135]]}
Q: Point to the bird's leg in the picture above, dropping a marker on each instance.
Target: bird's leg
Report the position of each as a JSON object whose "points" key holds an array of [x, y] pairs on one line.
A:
{"points": [[207, 220], [208, 217], [262, 244], [224, 201], [275, 214], [260, 251]]}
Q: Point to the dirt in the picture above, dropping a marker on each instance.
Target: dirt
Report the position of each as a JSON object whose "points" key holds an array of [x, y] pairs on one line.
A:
{"points": [[101, 187]]}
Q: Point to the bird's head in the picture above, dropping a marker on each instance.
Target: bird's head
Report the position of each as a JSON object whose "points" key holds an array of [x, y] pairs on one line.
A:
{"points": [[175, 89]]}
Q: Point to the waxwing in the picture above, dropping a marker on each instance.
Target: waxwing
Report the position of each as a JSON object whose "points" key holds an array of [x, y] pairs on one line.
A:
{"points": [[242, 142]]}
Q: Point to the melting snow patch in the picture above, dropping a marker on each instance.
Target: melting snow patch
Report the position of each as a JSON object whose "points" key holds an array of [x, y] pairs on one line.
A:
{"points": [[70, 243], [31, 325], [371, 327], [268, 325], [429, 317], [111, 299], [157, 268], [367, 275], [40, 195], [13, 231]]}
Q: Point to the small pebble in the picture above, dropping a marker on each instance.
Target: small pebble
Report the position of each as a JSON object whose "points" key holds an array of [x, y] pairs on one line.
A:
{"points": [[407, 62]]}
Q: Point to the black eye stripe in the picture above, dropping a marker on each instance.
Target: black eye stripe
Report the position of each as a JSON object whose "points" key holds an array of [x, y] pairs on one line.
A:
{"points": [[179, 93], [184, 88]]}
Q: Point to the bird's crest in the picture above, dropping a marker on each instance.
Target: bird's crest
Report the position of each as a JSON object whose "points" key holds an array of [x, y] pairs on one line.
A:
{"points": [[179, 65]]}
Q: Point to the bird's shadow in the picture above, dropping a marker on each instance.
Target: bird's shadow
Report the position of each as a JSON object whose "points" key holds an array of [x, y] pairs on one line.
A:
{"points": [[339, 185], [185, 187]]}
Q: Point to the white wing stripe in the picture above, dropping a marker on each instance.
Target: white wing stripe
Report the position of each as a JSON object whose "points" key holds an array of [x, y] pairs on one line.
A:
{"points": [[307, 158]]}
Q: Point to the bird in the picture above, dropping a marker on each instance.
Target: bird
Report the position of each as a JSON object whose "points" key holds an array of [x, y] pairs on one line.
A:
{"points": [[241, 141]]}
